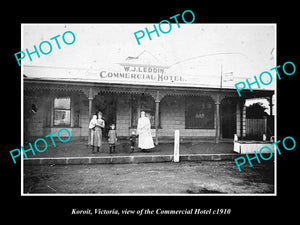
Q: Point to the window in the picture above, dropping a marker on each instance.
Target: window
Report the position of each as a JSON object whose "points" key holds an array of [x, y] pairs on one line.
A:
{"points": [[62, 111], [199, 113]]}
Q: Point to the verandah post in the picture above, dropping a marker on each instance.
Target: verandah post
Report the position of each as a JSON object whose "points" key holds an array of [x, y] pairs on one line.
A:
{"points": [[90, 98], [157, 101], [217, 103]]}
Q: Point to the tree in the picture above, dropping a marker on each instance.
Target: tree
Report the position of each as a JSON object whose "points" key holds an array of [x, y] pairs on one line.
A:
{"points": [[256, 111]]}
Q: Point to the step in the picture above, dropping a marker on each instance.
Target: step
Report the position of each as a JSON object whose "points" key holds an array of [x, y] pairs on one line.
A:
{"points": [[125, 159]]}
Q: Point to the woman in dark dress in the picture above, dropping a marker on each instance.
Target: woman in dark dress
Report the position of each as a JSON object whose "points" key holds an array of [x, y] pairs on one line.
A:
{"points": [[98, 131]]}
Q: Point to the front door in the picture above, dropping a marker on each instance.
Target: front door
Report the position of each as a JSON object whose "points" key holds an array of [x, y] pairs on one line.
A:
{"points": [[228, 119], [106, 103]]}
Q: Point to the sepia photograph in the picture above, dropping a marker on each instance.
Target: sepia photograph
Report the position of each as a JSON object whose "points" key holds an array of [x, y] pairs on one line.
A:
{"points": [[171, 108]]}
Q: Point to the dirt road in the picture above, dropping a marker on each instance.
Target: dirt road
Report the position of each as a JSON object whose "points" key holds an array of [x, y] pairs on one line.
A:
{"points": [[151, 178]]}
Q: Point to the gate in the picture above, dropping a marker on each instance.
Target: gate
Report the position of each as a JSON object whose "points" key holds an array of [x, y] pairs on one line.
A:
{"points": [[255, 128]]}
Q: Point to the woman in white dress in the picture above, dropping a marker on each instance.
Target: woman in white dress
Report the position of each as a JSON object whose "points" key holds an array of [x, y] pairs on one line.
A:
{"points": [[144, 132]]}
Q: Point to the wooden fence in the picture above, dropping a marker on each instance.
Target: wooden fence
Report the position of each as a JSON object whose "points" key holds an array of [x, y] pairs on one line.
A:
{"points": [[256, 127]]}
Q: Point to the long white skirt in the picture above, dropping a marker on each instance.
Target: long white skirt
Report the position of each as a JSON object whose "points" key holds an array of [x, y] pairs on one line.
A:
{"points": [[145, 141], [96, 137]]}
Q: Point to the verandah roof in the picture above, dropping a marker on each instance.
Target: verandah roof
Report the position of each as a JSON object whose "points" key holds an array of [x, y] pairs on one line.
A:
{"points": [[132, 75]]}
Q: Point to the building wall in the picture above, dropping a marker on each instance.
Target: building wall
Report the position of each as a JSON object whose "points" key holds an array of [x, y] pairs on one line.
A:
{"points": [[39, 124], [33, 121], [84, 116], [172, 117], [123, 115]]}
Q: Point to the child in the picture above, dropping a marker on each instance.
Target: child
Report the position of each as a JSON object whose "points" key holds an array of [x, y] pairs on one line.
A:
{"points": [[132, 141], [93, 122], [112, 139]]}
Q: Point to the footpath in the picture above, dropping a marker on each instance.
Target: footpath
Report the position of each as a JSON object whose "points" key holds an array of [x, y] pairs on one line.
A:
{"points": [[77, 152]]}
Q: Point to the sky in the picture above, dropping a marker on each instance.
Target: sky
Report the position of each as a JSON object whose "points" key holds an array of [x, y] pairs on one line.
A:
{"points": [[98, 45], [198, 52]]}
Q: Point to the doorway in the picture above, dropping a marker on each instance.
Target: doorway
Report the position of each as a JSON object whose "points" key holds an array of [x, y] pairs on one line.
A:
{"points": [[228, 118], [106, 103]]}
